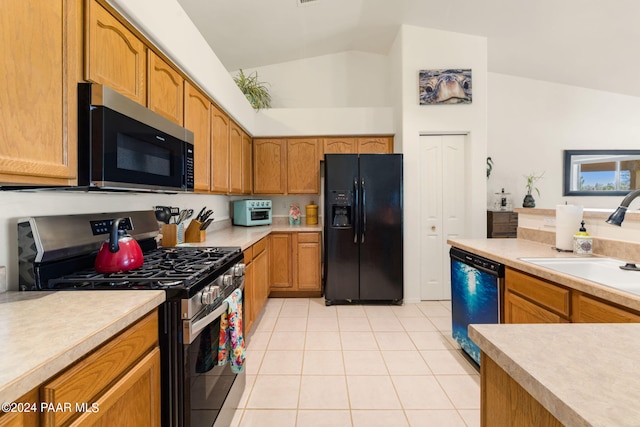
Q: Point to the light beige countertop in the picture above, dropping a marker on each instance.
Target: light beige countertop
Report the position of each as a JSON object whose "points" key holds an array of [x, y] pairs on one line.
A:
{"points": [[508, 252], [247, 236], [42, 333], [584, 374]]}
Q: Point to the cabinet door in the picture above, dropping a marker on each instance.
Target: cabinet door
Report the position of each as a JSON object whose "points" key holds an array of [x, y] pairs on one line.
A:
{"points": [[340, 145], [280, 253], [591, 310], [260, 280], [197, 111], [132, 401], [303, 167], [38, 91], [166, 88], [383, 145], [249, 298], [115, 56], [269, 166], [23, 418], [219, 151], [247, 166], [307, 262], [235, 159], [519, 310]]}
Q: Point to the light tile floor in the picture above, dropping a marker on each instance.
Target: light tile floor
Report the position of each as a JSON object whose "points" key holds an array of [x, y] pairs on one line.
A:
{"points": [[309, 365]]}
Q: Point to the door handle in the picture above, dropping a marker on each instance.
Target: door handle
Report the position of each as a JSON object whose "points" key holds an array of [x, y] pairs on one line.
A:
{"points": [[354, 209], [364, 212], [433, 228]]}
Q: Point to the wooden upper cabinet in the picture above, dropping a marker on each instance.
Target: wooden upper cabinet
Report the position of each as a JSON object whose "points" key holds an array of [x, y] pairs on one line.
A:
{"points": [[340, 145], [41, 67], [219, 151], [166, 88], [235, 158], [303, 167], [247, 156], [114, 55], [269, 166], [197, 118], [380, 145]]}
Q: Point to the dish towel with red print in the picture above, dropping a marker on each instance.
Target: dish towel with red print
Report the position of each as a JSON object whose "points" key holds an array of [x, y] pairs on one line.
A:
{"points": [[231, 343]]}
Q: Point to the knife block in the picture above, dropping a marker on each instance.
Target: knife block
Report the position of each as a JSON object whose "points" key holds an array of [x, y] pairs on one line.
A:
{"points": [[193, 234], [169, 235]]}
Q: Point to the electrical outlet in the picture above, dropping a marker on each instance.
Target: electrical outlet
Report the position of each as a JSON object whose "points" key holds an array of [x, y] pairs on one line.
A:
{"points": [[549, 221], [3, 279]]}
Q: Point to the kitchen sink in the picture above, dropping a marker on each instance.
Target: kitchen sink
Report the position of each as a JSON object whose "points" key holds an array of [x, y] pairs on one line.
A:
{"points": [[604, 271]]}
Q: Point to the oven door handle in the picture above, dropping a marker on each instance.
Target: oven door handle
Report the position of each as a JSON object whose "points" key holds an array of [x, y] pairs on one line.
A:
{"points": [[191, 329]]}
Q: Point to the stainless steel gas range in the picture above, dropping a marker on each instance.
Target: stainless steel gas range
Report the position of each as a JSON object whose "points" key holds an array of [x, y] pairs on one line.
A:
{"points": [[58, 252]]}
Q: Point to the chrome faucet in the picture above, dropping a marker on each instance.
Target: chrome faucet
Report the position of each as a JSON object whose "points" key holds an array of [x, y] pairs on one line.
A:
{"points": [[617, 216]]}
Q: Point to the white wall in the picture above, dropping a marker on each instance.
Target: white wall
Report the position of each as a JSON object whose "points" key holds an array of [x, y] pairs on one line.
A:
{"points": [[531, 122], [433, 49], [345, 79]]}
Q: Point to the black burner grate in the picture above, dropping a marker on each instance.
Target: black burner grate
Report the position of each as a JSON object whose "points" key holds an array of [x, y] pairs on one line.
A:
{"points": [[163, 268]]}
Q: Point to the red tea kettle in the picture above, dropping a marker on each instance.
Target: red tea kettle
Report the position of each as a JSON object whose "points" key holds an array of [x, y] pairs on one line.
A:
{"points": [[120, 252]]}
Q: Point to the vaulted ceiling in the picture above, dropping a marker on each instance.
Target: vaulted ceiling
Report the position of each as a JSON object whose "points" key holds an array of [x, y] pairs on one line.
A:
{"points": [[587, 43]]}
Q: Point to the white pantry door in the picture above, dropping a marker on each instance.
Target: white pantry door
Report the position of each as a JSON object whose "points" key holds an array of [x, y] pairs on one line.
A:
{"points": [[442, 209]]}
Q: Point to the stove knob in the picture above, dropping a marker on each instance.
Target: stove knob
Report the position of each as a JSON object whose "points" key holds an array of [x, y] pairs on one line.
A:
{"points": [[239, 269], [215, 291], [227, 280], [207, 297]]}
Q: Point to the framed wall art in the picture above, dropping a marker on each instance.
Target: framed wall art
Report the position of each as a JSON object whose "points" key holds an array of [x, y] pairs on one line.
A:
{"points": [[445, 86]]}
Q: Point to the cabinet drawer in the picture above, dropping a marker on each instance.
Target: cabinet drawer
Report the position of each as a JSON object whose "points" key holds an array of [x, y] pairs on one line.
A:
{"points": [[91, 375], [504, 228], [259, 247], [591, 310], [308, 237], [248, 255], [546, 294]]}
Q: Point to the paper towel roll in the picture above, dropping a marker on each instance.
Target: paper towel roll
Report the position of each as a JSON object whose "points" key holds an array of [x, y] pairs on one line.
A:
{"points": [[568, 218]]}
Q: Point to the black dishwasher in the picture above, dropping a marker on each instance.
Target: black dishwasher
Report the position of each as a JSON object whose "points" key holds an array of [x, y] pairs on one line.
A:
{"points": [[476, 290]]}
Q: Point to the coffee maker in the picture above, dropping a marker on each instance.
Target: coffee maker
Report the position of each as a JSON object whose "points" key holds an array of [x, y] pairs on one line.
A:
{"points": [[340, 203]]}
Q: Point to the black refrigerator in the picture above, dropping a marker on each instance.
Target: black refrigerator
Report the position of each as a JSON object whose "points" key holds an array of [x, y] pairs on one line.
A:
{"points": [[363, 233]]}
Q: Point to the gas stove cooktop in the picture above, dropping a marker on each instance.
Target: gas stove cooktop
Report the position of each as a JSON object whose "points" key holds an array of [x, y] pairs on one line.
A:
{"points": [[176, 267]]}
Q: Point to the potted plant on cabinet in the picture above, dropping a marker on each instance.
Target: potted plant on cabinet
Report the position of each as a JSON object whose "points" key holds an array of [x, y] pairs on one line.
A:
{"points": [[256, 91], [529, 201]]}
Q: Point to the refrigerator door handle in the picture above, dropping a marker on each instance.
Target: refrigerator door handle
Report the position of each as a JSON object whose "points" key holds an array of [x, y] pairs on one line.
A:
{"points": [[364, 212], [355, 209]]}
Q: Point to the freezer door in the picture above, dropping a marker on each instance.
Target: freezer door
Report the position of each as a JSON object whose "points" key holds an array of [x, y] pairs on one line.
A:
{"points": [[341, 243], [381, 233]]}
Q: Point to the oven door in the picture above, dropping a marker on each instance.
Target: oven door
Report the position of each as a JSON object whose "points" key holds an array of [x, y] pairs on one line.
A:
{"points": [[212, 392]]}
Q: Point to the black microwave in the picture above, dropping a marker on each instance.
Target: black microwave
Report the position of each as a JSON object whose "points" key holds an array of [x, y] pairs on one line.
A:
{"points": [[123, 145]]}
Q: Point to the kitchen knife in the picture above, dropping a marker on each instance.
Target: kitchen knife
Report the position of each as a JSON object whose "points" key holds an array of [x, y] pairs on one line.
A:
{"points": [[206, 224], [199, 216], [206, 215]]}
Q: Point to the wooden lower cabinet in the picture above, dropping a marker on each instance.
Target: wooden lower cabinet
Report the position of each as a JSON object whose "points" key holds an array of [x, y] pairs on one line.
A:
{"points": [[529, 299], [520, 310], [115, 385], [256, 281], [503, 402], [23, 418], [280, 247], [295, 264], [587, 309]]}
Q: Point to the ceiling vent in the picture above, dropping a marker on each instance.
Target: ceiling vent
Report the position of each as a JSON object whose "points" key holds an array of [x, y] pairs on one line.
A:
{"points": [[307, 2]]}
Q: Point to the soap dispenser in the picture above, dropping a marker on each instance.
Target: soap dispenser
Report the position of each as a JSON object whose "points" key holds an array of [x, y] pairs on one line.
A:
{"points": [[582, 242]]}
